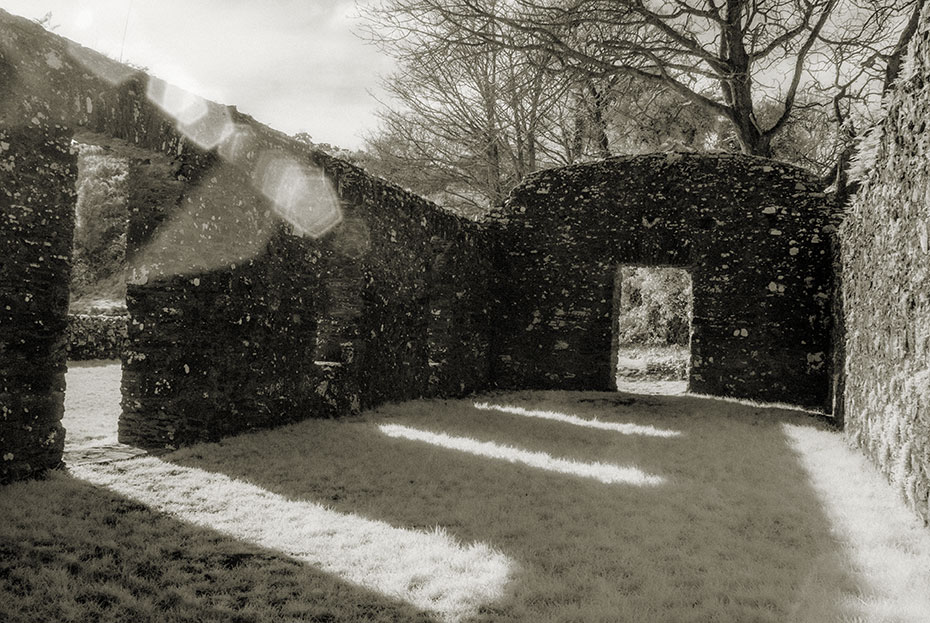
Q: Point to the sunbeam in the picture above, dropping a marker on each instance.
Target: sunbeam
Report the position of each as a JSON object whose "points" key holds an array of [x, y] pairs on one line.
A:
{"points": [[626, 429], [429, 570], [604, 472]]}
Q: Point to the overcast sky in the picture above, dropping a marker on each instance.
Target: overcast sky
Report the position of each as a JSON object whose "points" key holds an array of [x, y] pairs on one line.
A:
{"points": [[292, 64]]}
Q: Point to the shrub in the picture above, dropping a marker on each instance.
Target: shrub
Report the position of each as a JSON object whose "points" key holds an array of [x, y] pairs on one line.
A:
{"points": [[655, 306], [100, 224], [96, 337]]}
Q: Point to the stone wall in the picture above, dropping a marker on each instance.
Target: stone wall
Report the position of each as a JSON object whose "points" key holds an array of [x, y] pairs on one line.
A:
{"points": [[96, 337], [270, 282], [223, 299], [239, 323], [753, 233], [886, 264], [37, 177]]}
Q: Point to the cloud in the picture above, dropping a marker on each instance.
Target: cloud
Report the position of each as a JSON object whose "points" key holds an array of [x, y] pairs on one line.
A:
{"points": [[292, 64]]}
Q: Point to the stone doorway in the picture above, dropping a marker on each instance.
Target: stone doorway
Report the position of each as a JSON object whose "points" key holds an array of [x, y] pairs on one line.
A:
{"points": [[97, 316], [651, 329]]}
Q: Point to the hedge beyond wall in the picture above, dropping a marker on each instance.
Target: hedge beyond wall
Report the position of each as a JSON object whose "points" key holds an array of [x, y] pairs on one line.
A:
{"points": [[96, 337], [886, 264]]}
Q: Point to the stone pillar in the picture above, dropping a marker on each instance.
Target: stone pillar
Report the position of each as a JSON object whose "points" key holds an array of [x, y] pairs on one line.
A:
{"points": [[37, 196]]}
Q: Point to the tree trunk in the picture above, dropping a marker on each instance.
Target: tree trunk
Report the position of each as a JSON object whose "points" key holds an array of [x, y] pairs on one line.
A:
{"points": [[577, 145], [893, 67], [597, 121], [737, 87]]}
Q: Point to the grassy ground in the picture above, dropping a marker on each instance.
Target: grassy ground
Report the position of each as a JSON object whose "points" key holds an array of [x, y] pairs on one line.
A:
{"points": [[475, 510], [653, 369], [667, 362], [92, 402]]}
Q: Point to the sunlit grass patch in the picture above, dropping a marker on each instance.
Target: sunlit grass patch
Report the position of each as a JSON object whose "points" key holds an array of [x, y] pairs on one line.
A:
{"points": [[886, 545], [92, 402], [429, 570], [603, 472], [619, 427], [730, 536], [71, 551]]}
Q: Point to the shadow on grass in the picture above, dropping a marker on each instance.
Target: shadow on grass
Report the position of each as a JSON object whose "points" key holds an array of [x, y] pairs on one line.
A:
{"points": [[71, 551], [734, 534]]}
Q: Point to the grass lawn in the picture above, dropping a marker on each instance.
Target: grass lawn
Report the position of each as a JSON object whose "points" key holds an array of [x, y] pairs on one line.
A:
{"points": [[666, 362], [651, 369], [525, 506]]}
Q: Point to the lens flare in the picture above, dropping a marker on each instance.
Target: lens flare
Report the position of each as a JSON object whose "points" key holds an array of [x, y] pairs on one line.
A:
{"points": [[204, 123], [182, 105], [219, 223], [210, 129], [301, 196], [353, 238], [239, 146]]}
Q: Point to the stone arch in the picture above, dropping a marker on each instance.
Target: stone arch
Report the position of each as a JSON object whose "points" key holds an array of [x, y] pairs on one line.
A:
{"points": [[754, 234]]}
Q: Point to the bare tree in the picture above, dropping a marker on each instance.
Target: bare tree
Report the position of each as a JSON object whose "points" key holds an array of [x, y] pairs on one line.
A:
{"points": [[466, 121], [732, 58]]}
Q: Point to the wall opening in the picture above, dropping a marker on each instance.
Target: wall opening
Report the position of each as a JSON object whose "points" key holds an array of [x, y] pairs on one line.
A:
{"points": [[97, 306], [98, 272], [651, 324]]}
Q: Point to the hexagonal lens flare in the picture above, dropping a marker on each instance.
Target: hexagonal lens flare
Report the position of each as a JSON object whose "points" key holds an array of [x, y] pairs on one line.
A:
{"points": [[301, 195], [238, 146], [210, 129], [182, 105], [202, 122]]}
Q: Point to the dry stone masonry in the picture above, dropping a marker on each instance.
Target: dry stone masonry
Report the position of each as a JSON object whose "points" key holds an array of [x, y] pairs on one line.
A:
{"points": [[37, 177], [96, 337], [242, 313], [271, 282], [753, 233], [886, 268]]}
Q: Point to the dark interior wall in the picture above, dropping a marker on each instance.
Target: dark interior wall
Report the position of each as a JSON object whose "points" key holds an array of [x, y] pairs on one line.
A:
{"points": [[754, 234], [239, 323], [460, 318], [886, 265], [37, 177]]}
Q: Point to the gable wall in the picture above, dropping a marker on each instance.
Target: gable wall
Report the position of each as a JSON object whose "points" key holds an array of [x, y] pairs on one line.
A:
{"points": [[246, 311], [755, 235]]}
